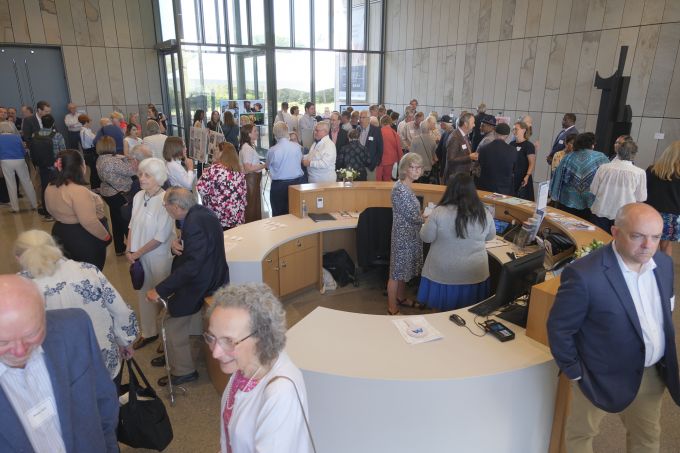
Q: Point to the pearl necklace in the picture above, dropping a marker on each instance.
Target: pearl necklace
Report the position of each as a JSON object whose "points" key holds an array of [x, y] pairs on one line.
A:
{"points": [[231, 382]]}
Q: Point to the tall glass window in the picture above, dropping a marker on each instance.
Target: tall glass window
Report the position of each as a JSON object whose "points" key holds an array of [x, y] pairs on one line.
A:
{"points": [[282, 23], [326, 51], [167, 17], [322, 24], [293, 77], [358, 24], [302, 23], [340, 24]]}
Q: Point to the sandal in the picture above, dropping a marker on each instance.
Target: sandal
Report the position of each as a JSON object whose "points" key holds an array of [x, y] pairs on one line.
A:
{"points": [[412, 304], [396, 313]]}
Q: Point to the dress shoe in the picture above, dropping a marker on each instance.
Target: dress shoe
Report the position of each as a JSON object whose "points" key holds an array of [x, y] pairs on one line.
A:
{"points": [[158, 361], [178, 380], [141, 342], [160, 348]]}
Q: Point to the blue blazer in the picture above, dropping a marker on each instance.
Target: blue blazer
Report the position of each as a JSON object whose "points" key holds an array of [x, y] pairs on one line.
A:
{"points": [[86, 397], [595, 333], [201, 268]]}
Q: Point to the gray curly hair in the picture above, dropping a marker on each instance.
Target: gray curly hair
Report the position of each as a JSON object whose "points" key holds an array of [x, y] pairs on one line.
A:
{"points": [[267, 316]]}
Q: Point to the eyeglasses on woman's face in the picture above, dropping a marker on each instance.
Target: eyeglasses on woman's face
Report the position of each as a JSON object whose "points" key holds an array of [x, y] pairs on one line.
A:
{"points": [[225, 343]]}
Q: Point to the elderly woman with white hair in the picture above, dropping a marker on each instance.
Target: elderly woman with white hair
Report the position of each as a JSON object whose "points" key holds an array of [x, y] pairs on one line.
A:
{"points": [[406, 253], [71, 284], [425, 146], [13, 162], [264, 407], [149, 238]]}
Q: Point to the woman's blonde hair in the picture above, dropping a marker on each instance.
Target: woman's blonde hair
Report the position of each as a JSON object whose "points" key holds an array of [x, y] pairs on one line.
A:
{"points": [[106, 145], [229, 157], [37, 253], [406, 161], [668, 165]]}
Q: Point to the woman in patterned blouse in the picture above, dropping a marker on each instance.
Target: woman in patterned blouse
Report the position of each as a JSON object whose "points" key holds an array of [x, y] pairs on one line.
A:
{"points": [[223, 187], [70, 284]]}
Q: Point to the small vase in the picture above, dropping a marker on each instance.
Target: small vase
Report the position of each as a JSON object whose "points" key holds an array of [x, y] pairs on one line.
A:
{"points": [[347, 182]]}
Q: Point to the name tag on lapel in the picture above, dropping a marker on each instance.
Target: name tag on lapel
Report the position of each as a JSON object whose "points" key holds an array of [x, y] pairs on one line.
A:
{"points": [[464, 146], [561, 142], [370, 139], [519, 148]]}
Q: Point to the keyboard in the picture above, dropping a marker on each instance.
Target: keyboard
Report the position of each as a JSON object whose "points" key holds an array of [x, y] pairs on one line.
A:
{"points": [[485, 307]]}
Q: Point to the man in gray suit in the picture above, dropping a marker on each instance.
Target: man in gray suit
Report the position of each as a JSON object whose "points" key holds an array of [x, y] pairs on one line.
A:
{"points": [[459, 155]]}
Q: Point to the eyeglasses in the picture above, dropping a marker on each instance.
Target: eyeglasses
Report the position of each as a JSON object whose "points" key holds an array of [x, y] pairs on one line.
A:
{"points": [[415, 167], [225, 343]]}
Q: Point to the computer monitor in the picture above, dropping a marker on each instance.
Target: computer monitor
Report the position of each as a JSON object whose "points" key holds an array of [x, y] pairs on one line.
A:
{"points": [[516, 279]]}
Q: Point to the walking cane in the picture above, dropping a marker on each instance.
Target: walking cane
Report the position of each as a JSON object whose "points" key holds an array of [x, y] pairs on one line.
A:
{"points": [[171, 388]]}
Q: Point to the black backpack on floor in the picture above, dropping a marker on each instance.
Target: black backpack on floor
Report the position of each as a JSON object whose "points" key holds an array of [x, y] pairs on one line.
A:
{"points": [[341, 267]]}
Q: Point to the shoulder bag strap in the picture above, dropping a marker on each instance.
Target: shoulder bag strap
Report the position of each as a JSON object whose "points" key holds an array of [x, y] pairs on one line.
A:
{"points": [[302, 408]]}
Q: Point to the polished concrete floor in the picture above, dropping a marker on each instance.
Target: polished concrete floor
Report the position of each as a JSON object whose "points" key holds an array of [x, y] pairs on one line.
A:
{"points": [[196, 417]]}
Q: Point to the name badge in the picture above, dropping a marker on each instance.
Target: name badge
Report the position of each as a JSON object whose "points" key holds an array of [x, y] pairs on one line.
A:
{"points": [[519, 148], [464, 146], [370, 139], [561, 142], [41, 412]]}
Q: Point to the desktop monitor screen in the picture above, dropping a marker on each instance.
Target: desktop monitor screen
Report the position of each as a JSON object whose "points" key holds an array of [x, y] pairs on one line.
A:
{"points": [[518, 276]]}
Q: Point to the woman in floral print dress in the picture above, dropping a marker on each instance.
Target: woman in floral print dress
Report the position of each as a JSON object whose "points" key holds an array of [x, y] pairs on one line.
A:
{"points": [[71, 284], [223, 187]]}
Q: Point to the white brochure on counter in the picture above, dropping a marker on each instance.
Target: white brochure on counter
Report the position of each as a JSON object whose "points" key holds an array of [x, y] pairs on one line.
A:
{"points": [[416, 329]]}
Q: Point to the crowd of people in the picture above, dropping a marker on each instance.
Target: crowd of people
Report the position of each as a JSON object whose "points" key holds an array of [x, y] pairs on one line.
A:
{"points": [[168, 219]]}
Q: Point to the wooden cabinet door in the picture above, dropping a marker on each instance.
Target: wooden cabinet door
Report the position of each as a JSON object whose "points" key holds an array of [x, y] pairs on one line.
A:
{"points": [[298, 270], [270, 271]]}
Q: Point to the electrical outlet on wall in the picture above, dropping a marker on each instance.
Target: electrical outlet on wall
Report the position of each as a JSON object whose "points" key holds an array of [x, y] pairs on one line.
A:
{"points": [[319, 202]]}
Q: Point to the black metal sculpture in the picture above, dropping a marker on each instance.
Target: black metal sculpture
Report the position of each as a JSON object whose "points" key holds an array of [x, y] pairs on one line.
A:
{"points": [[615, 115]]}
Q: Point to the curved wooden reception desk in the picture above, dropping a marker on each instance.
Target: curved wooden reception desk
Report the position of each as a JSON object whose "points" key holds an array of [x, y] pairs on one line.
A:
{"points": [[365, 385]]}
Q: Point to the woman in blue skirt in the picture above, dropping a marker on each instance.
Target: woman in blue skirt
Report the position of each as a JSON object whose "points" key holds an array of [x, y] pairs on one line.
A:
{"points": [[456, 270]]}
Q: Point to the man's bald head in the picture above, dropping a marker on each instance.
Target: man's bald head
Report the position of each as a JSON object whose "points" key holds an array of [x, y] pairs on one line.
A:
{"points": [[635, 212], [637, 232], [22, 320]]}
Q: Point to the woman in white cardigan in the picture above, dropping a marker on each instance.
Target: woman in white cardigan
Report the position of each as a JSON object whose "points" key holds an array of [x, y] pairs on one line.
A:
{"points": [[174, 152], [264, 407]]}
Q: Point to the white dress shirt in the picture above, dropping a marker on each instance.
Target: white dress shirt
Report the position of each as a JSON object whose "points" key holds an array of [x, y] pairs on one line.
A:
{"points": [[306, 125], [616, 184], [155, 143], [647, 299], [178, 176], [30, 392], [322, 161], [87, 138], [71, 121]]}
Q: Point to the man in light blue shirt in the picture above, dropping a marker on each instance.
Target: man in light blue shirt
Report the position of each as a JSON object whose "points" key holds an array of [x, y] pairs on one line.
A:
{"points": [[284, 164]]}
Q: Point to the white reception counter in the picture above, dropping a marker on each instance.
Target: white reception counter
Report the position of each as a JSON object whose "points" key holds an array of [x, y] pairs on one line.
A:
{"points": [[370, 391]]}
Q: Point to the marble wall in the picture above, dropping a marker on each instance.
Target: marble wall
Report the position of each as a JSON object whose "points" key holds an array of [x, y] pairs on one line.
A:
{"points": [[107, 47], [538, 57]]}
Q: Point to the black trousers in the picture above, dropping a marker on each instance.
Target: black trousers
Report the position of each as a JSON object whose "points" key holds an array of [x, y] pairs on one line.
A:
{"points": [[79, 245], [91, 162], [118, 224], [278, 194], [45, 174], [73, 139]]}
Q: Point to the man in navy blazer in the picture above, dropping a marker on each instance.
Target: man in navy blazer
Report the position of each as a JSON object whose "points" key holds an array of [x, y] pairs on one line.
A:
{"points": [[611, 333], [198, 270], [55, 394], [371, 138]]}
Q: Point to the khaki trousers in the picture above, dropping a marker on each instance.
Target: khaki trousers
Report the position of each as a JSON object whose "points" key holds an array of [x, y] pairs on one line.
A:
{"points": [[179, 347], [641, 418]]}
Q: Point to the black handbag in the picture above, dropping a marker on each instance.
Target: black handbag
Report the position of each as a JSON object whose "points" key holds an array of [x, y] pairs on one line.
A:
{"points": [[143, 421]]}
